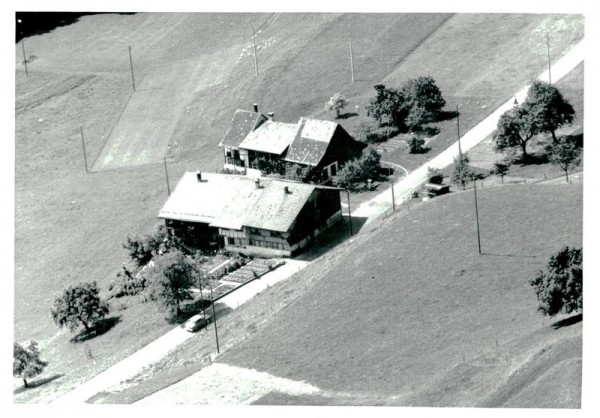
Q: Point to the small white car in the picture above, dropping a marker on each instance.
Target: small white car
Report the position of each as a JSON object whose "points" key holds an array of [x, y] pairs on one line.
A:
{"points": [[196, 322]]}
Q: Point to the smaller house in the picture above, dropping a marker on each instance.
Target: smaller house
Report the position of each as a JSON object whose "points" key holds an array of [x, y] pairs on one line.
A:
{"points": [[265, 217], [322, 146]]}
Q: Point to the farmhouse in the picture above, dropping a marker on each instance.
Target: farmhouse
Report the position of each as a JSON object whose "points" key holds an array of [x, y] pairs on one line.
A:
{"points": [[319, 145], [264, 216]]}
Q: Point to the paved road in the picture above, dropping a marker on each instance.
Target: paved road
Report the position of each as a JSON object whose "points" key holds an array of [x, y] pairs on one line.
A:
{"points": [[154, 351], [159, 348], [404, 188]]}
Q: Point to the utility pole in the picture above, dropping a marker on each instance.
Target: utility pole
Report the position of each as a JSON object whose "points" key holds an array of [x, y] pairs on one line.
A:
{"points": [[201, 297], [212, 302], [131, 65], [393, 198], [167, 176], [477, 216], [351, 55], [255, 59], [83, 146], [458, 132], [349, 213], [23, 46], [24, 57], [548, 49]]}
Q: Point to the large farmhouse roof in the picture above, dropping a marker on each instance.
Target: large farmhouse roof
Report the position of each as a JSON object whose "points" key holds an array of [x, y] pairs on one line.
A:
{"points": [[242, 124], [232, 201], [311, 141], [270, 137]]}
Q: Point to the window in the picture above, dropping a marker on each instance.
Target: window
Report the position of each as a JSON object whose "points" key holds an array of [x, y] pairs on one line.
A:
{"points": [[330, 170]]}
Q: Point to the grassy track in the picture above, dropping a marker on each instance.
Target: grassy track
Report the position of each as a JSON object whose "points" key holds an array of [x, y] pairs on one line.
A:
{"points": [[69, 225]]}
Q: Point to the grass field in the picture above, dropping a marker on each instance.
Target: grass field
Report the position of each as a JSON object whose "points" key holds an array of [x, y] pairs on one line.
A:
{"points": [[385, 323], [391, 327], [70, 226]]}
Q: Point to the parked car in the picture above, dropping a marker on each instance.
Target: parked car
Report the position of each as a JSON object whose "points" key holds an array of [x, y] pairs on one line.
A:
{"points": [[196, 322]]}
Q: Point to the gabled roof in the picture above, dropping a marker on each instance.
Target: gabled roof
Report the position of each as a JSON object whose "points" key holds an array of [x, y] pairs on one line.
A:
{"points": [[232, 201], [311, 141], [271, 137], [243, 122]]}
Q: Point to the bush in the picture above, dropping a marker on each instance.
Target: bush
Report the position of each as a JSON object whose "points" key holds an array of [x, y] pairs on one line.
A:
{"points": [[126, 284], [416, 145], [359, 170], [435, 176], [370, 133]]}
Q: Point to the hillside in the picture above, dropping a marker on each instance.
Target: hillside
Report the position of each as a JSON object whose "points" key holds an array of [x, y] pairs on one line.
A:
{"points": [[415, 316], [70, 225]]}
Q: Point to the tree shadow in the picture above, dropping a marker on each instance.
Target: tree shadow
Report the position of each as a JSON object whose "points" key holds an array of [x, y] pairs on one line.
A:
{"points": [[101, 327], [427, 131], [37, 383], [572, 320], [347, 115], [532, 159], [444, 115]]}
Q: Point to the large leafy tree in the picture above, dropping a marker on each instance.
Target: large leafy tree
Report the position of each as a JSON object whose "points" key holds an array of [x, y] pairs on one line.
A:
{"points": [[564, 153], [549, 109], [409, 106], [386, 106], [27, 362], [79, 305], [171, 278], [516, 128], [559, 288], [423, 93]]}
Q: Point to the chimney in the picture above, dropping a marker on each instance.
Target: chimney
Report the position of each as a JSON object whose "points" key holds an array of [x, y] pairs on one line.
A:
{"points": [[255, 107], [257, 183], [271, 116], [286, 190], [199, 176]]}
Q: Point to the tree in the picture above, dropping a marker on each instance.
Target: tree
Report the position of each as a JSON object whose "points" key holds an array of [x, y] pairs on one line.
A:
{"points": [[27, 362], [408, 107], [463, 173], [559, 288], [337, 102], [79, 304], [422, 93], [416, 145], [359, 170], [516, 127], [171, 278], [501, 169], [564, 153], [386, 106], [142, 249], [548, 108]]}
